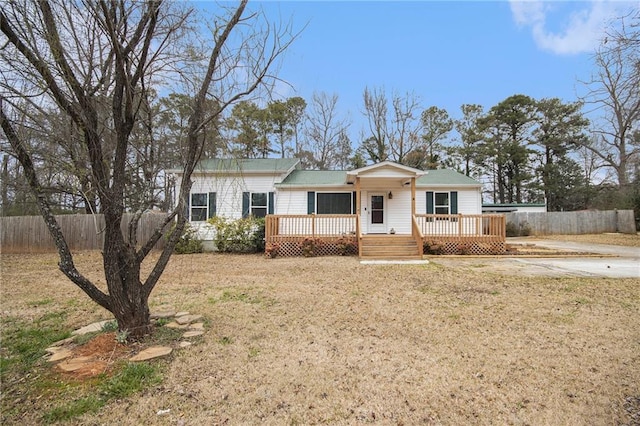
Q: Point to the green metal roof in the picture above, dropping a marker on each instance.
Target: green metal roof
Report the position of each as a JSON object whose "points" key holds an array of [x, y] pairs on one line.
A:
{"points": [[245, 165], [445, 177], [296, 177], [339, 177], [315, 177]]}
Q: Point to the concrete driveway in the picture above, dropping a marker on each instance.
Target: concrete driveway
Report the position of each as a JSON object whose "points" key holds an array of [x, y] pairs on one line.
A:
{"points": [[602, 261]]}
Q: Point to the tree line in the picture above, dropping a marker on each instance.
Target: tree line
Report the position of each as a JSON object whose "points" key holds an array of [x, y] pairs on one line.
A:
{"points": [[523, 150]]}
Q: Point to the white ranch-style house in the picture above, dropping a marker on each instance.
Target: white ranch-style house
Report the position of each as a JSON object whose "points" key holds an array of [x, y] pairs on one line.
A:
{"points": [[386, 210]]}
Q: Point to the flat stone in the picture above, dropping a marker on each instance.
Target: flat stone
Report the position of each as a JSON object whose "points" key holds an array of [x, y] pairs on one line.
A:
{"points": [[186, 319], [60, 343], [152, 352], [196, 326], [75, 364], [181, 314], [162, 314], [174, 324], [53, 349], [91, 328], [184, 344], [59, 355], [193, 333]]}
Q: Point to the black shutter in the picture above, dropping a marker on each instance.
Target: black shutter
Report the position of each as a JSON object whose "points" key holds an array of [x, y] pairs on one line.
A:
{"points": [[311, 202], [212, 205], [353, 203], [245, 203], [270, 207], [429, 202], [454, 202]]}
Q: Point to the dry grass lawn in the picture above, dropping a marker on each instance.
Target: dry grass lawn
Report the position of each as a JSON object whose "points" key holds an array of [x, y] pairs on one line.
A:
{"points": [[328, 340]]}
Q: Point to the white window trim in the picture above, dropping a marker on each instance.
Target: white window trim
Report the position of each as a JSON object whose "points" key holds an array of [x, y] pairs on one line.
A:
{"points": [[265, 206], [205, 207], [436, 206]]}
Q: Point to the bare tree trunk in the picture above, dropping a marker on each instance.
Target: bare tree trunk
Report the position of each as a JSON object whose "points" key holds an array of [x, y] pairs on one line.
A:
{"points": [[4, 182], [80, 87]]}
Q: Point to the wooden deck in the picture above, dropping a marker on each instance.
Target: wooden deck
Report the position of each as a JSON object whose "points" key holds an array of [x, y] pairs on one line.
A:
{"points": [[341, 234]]}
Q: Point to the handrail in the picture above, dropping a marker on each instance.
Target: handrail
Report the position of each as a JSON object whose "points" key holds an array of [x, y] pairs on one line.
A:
{"points": [[487, 226], [314, 225], [416, 233], [359, 235]]}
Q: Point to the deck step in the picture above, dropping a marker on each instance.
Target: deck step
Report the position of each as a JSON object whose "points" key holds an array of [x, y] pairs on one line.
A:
{"points": [[390, 247]]}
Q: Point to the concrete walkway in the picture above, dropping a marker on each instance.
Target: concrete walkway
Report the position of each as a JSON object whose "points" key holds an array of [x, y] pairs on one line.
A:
{"points": [[616, 261], [620, 261], [621, 251]]}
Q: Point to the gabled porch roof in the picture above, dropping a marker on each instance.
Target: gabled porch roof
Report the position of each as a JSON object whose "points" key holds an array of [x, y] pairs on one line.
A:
{"points": [[385, 170]]}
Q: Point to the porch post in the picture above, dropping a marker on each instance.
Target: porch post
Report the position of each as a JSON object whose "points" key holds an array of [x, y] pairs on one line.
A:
{"points": [[413, 196], [358, 195]]}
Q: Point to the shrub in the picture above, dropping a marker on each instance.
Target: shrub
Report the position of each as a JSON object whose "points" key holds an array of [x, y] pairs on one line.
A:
{"points": [[189, 241], [346, 246], [244, 235], [272, 250], [432, 247], [520, 230], [310, 246], [464, 248]]}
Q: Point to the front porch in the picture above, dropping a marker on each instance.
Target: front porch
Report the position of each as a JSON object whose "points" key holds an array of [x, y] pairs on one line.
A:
{"points": [[342, 234]]}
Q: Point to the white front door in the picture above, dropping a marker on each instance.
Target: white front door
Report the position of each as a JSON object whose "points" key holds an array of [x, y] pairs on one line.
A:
{"points": [[377, 221]]}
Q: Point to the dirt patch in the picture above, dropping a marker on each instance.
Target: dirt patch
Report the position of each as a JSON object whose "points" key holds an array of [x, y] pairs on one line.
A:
{"points": [[626, 240], [536, 250], [97, 356]]}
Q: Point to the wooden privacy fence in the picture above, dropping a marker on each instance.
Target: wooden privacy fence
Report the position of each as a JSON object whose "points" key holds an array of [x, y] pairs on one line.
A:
{"points": [[29, 234], [573, 223]]}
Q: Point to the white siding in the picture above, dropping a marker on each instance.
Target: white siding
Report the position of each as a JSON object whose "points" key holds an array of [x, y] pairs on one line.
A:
{"points": [[469, 200], [294, 202], [229, 190], [291, 202], [399, 211]]}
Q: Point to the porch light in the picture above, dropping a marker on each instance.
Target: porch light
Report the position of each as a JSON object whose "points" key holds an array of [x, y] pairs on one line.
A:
{"points": [[390, 195]]}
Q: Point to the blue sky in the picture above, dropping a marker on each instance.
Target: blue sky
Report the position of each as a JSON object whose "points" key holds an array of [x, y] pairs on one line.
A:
{"points": [[446, 53]]}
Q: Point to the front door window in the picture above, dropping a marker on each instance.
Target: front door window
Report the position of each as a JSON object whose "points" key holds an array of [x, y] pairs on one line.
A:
{"points": [[377, 209]]}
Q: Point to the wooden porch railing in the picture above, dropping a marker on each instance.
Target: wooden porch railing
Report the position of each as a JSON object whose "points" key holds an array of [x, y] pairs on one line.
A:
{"points": [[291, 227], [485, 227], [416, 233], [359, 235]]}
